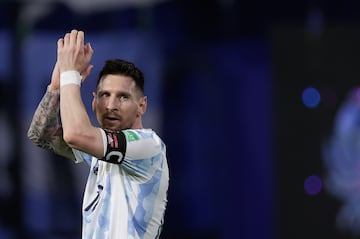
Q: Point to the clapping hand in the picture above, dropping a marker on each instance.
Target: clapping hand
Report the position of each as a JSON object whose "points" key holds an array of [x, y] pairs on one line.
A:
{"points": [[73, 54]]}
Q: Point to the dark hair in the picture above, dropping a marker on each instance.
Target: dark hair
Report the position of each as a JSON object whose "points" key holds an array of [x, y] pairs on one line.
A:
{"points": [[125, 68]]}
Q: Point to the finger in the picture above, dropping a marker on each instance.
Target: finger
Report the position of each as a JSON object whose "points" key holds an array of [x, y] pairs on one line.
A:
{"points": [[66, 39], [86, 72], [80, 39], [60, 43], [87, 47], [91, 49], [73, 37], [88, 50]]}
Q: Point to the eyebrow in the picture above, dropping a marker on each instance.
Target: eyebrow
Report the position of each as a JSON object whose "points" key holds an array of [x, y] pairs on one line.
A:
{"points": [[126, 93]]}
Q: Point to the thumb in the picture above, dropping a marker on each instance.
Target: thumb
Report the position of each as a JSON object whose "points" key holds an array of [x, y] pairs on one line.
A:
{"points": [[88, 50], [86, 72]]}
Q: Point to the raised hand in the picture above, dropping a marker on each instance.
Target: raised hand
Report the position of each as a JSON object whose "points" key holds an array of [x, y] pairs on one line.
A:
{"points": [[55, 78], [73, 54]]}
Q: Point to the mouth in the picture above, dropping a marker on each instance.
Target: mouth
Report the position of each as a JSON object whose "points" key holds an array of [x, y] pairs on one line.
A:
{"points": [[112, 118]]}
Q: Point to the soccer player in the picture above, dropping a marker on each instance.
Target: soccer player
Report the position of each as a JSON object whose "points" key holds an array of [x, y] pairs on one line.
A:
{"points": [[126, 191]]}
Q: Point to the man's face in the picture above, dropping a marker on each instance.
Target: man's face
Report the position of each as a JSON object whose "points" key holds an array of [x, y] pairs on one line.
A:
{"points": [[117, 103]]}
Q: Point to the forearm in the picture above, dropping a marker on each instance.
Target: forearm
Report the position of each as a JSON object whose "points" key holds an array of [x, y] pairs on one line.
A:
{"points": [[79, 133], [74, 117], [45, 123]]}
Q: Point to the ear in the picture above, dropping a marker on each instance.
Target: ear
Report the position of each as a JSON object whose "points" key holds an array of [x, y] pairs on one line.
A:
{"points": [[142, 106], [93, 103]]}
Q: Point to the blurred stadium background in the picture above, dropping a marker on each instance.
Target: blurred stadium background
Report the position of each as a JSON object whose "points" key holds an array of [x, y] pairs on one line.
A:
{"points": [[244, 93]]}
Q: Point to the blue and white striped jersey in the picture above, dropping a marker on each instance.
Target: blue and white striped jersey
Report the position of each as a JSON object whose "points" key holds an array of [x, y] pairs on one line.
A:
{"points": [[126, 198]]}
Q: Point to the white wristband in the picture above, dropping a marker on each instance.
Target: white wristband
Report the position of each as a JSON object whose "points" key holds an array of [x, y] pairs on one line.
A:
{"points": [[70, 77]]}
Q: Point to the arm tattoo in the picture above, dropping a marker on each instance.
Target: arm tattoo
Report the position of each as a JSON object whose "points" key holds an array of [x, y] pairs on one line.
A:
{"points": [[45, 130]]}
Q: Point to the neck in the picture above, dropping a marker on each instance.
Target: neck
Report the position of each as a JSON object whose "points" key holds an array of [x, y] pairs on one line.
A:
{"points": [[137, 124]]}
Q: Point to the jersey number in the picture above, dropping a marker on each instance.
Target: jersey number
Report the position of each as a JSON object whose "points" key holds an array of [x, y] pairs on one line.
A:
{"points": [[94, 202]]}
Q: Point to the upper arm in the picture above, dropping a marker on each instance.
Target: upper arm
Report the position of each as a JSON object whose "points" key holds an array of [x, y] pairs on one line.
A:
{"points": [[129, 145], [91, 141]]}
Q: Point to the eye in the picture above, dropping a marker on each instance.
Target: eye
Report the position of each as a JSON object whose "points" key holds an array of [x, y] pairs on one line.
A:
{"points": [[104, 94], [123, 97]]}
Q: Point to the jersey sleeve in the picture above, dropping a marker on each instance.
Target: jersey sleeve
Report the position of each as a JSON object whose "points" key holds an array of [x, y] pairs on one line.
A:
{"points": [[82, 156], [145, 155], [114, 146], [129, 145], [141, 145]]}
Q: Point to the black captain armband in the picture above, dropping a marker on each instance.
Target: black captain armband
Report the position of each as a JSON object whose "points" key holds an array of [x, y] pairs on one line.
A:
{"points": [[115, 147]]}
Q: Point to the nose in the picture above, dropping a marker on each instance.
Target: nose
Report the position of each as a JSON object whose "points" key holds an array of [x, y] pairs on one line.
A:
{"points": [[112, 104]]}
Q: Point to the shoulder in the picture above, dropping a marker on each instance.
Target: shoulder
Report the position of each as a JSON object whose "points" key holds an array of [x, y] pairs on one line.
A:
{"points": [[142, 143], [141, 134]]}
